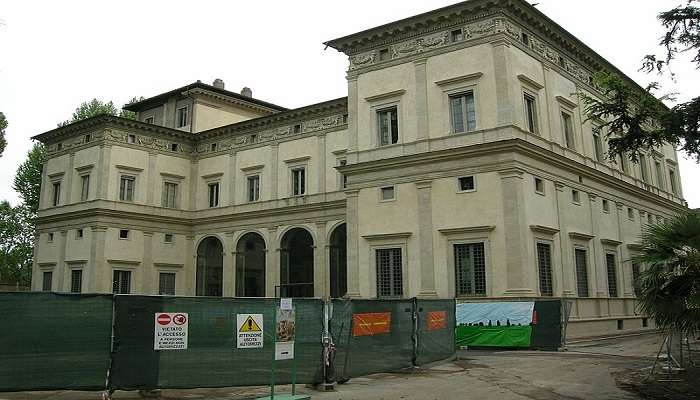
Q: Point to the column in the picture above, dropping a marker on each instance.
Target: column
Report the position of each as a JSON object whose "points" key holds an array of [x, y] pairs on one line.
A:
{"points": [[69, 179], [504, 100], [229, 278], [150, 281], [425, 239], [515, 235], [321, 269], [353, 266], [421, 112], [97, 279], [151, 180]]}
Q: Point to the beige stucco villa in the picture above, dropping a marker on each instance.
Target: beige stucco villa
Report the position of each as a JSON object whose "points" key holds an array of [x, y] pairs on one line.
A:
{"points": [[460, 164]]}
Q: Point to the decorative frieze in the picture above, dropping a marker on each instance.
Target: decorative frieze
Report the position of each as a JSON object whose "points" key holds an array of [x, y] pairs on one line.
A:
{"points": [[149, 142], [74, 142]]}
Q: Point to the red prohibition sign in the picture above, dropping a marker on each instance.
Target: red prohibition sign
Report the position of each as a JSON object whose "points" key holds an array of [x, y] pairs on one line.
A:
{"points": [[164, 319], [179, 319]]}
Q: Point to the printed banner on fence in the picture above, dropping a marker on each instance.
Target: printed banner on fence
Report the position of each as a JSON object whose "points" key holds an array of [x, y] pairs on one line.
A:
{"points": [[249, 331], [437, 320], [170, 331], [284, 338], [368, 324]]}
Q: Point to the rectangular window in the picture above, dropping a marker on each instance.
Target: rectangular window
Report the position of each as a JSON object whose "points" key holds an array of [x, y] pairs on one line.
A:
{"points": [[597, 144], [624, 163], [576, 197], [630, 213], [182, 117], [606, 206], [643, 168], [76, 281], [166, 283], [79, 233], [296, 128], [531, 113], [87, 138], [121, 282], [56, 193], [388, 126], [568, 127], [213, 194], [123, 234], [660, 175], [298, 181], [383, 54], [466, 184], [672, 181], [84, 187], [343, 177], [389, 273], [470, 269], [131, 139], [581, 259], [635, 278], [539, 186], [148, 120], [544, 265], [463, 112], [525, 39], [46, 281], [174, 147], [387, 193], [457, 35], [49, 237], [612, 274], [126, 187], [168, 238], [254, 188], [169, 195]]}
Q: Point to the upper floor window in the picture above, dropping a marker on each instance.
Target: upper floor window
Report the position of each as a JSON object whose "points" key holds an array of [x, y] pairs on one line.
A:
{"points": [[384, 55], [148, 120], [84, 187], [463, 112], [539, 186], [169, 194], [531, 113], [672, 181], [126, 187], [660, 175], [56, 199], [597, 144], [298, 181], [387, 193], [575, 197], [568, 127], [213, 194], [343, 177], [466, 184], [624, 163], [388, 126], [253, 188], [457, 35], [131, 139], [182, 117], [643, 168]]}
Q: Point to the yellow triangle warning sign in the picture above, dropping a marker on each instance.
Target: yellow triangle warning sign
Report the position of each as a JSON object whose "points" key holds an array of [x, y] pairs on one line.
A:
{"points": [[249, 325]]}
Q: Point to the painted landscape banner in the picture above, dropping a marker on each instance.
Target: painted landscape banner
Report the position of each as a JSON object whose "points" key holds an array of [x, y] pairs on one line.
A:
{"points": [[494, 324]]}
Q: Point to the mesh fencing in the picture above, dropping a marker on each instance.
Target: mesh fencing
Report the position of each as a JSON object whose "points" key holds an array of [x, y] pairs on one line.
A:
{"points": [[212, 358], [436, 330], [54, 341]]}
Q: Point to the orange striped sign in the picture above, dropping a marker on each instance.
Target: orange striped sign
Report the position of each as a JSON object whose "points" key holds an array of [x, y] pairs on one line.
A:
{"points": [[437, 320], [369, 324]]}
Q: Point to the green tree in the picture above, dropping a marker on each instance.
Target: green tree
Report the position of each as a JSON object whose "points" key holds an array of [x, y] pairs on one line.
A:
{"points": [[27, 181], [16, 244], [668, 290], [636, 119], [3, 126], [96, 107]]}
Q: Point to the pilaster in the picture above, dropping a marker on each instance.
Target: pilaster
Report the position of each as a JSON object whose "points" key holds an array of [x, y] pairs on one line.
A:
{"points": [[320, 267], [352, 114], [425, 239], [353, 243], [61, 266], [194, 184], [103, 172], [151, 184], [272, 264], [421, 112], [150, 281], [69, 178], [566, 276], [232, 179], [504, 99], [274, 169], [597, 252], [515, 234], [321, 163], [97, 279], [190, 268], [229, 273]]}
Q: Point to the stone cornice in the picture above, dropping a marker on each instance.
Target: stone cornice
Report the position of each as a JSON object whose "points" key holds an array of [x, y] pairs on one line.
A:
{"points": [[467, 229], [388, 236], [544, 229]]}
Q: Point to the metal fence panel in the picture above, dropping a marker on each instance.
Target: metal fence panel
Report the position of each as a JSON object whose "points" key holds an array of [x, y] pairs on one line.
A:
{"points": [[436, 330], [54, 341]]}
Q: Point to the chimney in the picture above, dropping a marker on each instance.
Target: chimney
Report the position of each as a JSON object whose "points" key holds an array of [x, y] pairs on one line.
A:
{"points": [[218, 83], [246, 92]]}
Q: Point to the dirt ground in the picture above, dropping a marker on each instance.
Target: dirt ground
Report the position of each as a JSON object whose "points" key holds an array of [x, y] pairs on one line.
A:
{"points": [[610, 369]]}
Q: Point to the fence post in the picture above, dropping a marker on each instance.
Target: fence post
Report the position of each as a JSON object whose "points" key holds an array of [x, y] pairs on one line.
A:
{"points": [[414, 337]]}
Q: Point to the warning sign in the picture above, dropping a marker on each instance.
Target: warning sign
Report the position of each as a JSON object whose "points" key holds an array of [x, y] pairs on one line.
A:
{"points": [[250, 331], [437, 320], [170, 331], [284, 340], [368, 324]]}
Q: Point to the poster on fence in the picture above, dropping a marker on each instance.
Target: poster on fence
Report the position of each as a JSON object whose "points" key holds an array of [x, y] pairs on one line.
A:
{"points": [[170, 331], [437, 320], [249, 329], [284, 338], [494, 324], [368, 324]]}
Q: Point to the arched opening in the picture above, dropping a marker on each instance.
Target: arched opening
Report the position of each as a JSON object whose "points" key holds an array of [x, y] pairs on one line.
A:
{"points": [[250, 266], [297, 264], [339, 262], [210, 267]]}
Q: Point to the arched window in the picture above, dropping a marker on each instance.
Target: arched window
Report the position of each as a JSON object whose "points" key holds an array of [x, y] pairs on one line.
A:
{"points": [[297, 264], [250, 266], [210, 267]]}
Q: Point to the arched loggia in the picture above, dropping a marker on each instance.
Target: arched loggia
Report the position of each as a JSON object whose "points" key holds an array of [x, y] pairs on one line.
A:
{"points": [[250, 266], [297, 264], [210, 267], [338, 262]]}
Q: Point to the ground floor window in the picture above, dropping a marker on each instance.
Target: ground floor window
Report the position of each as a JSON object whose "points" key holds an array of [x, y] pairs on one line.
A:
{"points": [[581, 259], [389, 273], [636, 270], [612, 274], [121, 282], [470, 269], [544, 265], [46, 283], [76, 281], [166, 283]]}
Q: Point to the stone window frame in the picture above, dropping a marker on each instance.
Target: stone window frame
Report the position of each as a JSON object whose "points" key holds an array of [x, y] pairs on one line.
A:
{"points": [[611, 246], [542, 192], [209, 180], [247, 172], [468, 235], [673, 177], [296, 164], [459, 185], [177, 180], [456, 86], [82, 172], [531, 88], [178, 115], [56, 179], [543, 239], [568, 107], [380, 193], [581, 241], [125, 170], [382, 102], [152, 117], [341, 160], [388, 241], [77, 266]]}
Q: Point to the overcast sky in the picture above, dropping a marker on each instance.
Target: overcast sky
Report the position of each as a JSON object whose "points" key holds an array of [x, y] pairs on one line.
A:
{"points": [[56, 54]]}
